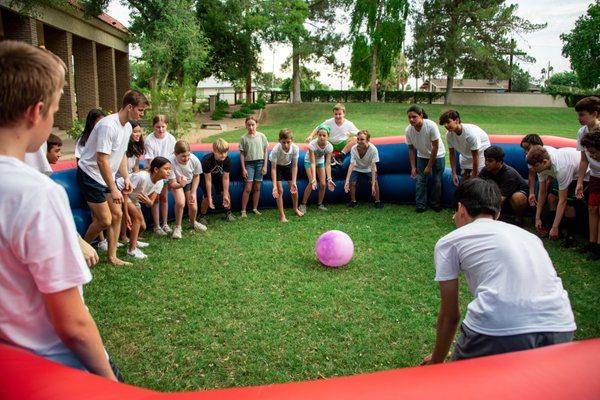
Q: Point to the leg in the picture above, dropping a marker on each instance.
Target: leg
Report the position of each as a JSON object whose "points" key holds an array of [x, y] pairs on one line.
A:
{"points": [[435, 197], [164, 205], [101, 220], [246, 196], [179, 206], [421, 185], [353, 191], [308, 189], [113, 232], [136, 222], [295, 201], [594, 223], [156, 214], [256, 194], [279, 201], [192, 209], [519, 203], [377, 192], [322, 185]]}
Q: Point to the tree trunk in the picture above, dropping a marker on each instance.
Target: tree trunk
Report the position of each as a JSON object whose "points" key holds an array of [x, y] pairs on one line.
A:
{"points": [[374, 74], [249, 87], [449, 88], [296, 97]]}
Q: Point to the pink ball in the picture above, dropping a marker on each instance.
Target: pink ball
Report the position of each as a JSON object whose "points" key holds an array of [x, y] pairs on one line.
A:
{"points": [[334, 249]]}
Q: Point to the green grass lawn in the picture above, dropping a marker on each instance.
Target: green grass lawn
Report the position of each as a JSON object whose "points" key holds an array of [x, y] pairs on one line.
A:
{"points": [[388, 119], [246, 303]]}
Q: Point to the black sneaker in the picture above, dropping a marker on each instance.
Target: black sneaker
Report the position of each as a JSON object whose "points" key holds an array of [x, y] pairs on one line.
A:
{"points": [[588, 248], [593, 257], [569, 242], [378, 204], [352, 204], [420, 210], [437, 209]]}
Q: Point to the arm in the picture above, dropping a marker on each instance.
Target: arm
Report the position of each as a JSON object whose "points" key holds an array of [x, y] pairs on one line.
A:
{"points": [[475, 170], [330, 183], [89, 253], [274, 179], [176, 183], [541, 201], [77, 329], [447, 322], [348, 175], [124, 171], [226, 196], [531, 180], [243, 162], [265, 160], [583, 166], [453, 165], [311, 135], [195, 183], [208, 189], [435, 145], [294, 188], [313, 169], [106, 172], [136, 165], [412, 157], [148, 200], [373, 178], [560, 211]]}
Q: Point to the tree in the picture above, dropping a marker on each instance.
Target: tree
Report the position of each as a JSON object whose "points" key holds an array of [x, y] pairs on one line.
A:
{"points": [[582, 47], [521, 79], [309, 26], [398, 76], [566, 78], [378, 28], [453, 34]]}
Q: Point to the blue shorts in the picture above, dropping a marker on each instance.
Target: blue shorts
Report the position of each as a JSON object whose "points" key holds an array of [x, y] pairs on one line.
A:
{"points": [[254, 169], [319, 165], [357, 175]]}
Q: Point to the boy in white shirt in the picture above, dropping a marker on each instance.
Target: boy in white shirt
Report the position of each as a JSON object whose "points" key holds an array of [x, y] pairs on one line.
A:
{"points": [[469, 140], [341, 135], [41, 266], [101, 158], [284, 167], [519, 301], [363, 164], [563, 166]]}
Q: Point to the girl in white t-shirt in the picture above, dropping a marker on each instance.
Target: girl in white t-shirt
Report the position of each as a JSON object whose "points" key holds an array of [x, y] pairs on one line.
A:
{"points": [[184, 180], [145, 187], [160, 143], [317, 163]]}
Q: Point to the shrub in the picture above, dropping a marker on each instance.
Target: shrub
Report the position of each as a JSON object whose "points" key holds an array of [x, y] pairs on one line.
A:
{"points": [[222, 104], [217, 115], [76, 129]]}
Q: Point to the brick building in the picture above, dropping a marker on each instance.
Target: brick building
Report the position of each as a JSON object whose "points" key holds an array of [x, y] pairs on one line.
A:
{"points": [[95, 51]]}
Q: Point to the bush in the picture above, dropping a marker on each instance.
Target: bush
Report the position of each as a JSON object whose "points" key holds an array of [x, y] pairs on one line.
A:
{"points": [[239, 114], [76, 129], [256, 106], [222, 104], [217, 115]]}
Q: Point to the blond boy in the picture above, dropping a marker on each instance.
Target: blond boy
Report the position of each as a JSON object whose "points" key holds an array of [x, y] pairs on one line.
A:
{"points": [[216, 167]]}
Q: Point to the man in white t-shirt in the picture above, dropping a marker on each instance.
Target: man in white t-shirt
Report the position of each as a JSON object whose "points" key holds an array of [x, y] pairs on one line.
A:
{"points": [[42, 269], [519, 301], [102, 156], [363, 165], [563, 166], [341, 135], [467, 139]]}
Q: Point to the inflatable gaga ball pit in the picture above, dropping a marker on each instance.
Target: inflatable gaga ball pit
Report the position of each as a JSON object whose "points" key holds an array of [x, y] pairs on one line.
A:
{"points": [[334, 249]]}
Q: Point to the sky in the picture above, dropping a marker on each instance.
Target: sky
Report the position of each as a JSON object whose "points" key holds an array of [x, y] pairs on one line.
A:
{"points": [[544, 45]]}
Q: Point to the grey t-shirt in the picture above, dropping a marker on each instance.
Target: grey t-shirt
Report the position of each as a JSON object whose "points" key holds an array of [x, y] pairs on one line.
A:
{"points": [[253, 147]]}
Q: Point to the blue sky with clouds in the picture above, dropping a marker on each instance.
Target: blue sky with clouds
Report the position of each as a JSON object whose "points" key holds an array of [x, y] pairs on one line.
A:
{"points": [[544, 45]]}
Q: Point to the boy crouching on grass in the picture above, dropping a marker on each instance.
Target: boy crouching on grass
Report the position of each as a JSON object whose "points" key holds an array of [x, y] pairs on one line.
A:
{"points": [[42, 269], [284, 167], [363, 165], [519, 301], [216, 167]]}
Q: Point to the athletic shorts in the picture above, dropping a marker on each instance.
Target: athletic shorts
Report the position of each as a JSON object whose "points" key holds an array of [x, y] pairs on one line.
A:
{"points": [[340, 145], [594, 191], [284, 172], [187, 187], [318, 165], [571, 198], [92, 191], [357, 175], [216, 183]]}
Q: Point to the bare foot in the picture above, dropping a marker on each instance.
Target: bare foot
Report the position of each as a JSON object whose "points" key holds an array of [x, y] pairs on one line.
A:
{"points": [[299, 213], [283, 219], [118, 261]]}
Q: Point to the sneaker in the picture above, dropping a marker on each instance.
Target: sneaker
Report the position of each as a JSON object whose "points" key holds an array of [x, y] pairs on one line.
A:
{"points": [[321, 207], [302, 208], [119, 244], [243, 214], [167, 229], [177, 232], [420, 210], [199, 227], [103, 246], [352, 204], [569, 242], [142, 245], [230, 217], [203, 220], [437, 209], [256, 212], [593, 257], [378, 204], [137, 253], [588, 248], [159, 231]]}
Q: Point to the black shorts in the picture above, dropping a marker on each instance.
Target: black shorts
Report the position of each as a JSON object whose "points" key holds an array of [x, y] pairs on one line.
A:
{"points": [[216, 183], [93, 192], [284, 172], [187, 187], [571, 198]]}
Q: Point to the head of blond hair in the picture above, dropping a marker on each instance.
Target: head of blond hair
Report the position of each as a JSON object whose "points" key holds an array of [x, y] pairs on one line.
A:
{"points": [[181, 146], [339, 107], [285, 133], [29, 75], [220, 146]]}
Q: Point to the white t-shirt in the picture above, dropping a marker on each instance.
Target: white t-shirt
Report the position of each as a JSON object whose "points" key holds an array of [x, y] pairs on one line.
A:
{"points": [[108, 137], [511, 276], [156, 147], [319, 152], [39, 253], [78, 148], [564, 168], [422, 139], [280, 157], [364, 164], [472, 138], [38, 161], [594, 165], [340, 133], [141, 182], [193, 167]]}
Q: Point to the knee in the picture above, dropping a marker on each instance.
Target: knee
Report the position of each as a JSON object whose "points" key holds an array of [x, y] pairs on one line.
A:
{"points": [[117, 213], [104, 221], [256, 189], [248, 189]]}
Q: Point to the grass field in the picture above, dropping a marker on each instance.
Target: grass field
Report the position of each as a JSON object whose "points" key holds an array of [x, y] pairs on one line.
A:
{"points": [[388, 119], [246, 303]]}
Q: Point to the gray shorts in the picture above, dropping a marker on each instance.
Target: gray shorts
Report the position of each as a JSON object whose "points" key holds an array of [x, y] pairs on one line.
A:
{"points": [[471, 344]]}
